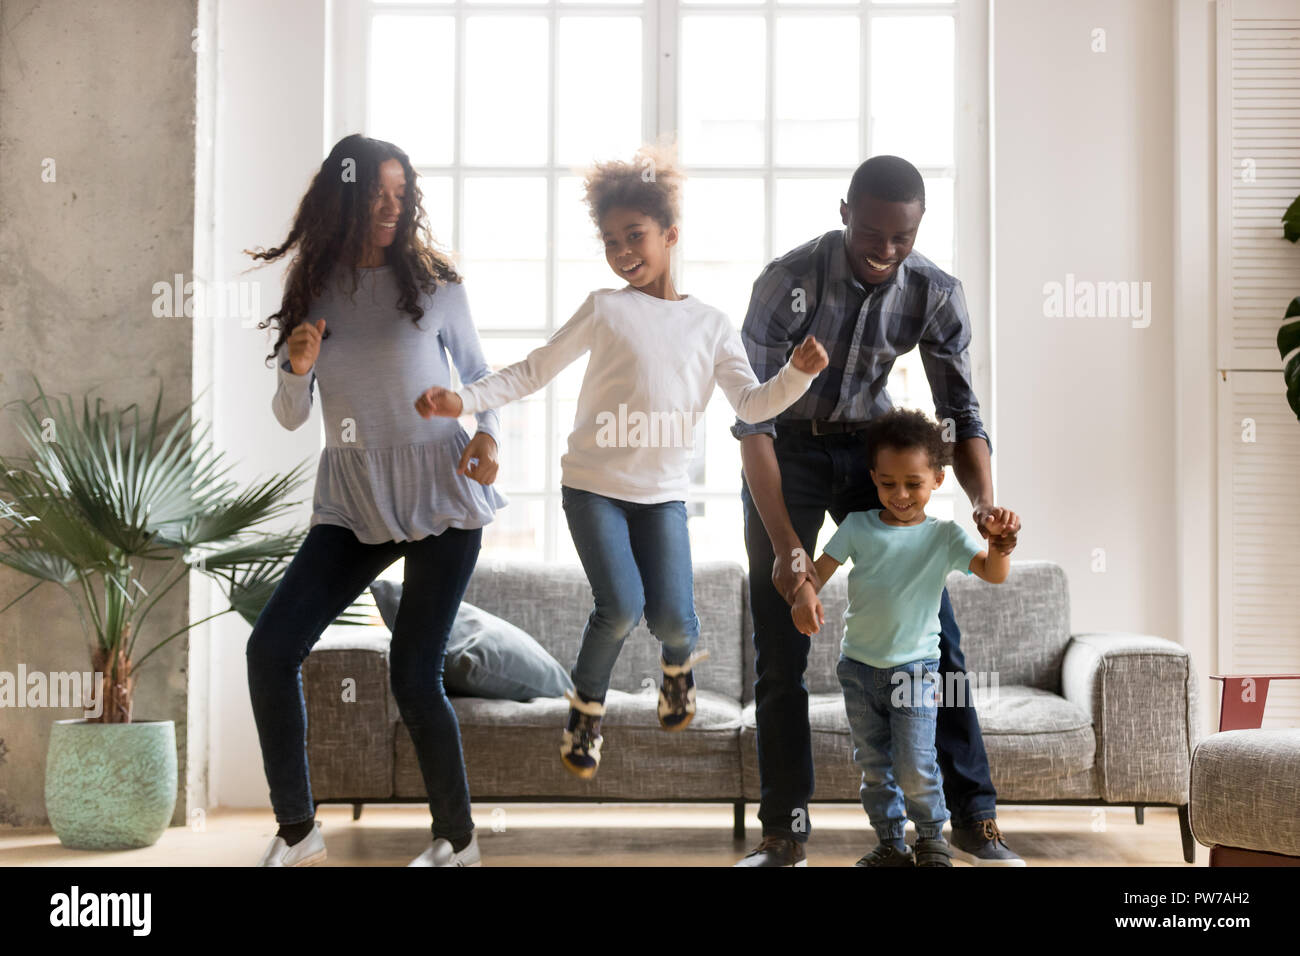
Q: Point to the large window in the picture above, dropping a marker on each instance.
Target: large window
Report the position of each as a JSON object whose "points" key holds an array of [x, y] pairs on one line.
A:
{"points": [[773, 104]]}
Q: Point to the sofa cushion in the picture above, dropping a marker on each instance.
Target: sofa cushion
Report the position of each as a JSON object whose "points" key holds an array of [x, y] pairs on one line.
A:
{"points": [[486, 656], [551, 602], [1040, 746], [1245, 789], [512, 749], [1017, 629]]}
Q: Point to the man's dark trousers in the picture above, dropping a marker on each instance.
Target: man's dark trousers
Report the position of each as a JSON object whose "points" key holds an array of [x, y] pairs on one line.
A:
{"points": [[821, 474]]}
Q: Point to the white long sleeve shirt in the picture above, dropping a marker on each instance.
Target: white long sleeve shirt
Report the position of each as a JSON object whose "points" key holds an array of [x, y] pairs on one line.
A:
{"points": [[653, 367]]}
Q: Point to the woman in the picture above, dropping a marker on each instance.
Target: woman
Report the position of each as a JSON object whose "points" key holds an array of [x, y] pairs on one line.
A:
{"points": [[371, 311]]}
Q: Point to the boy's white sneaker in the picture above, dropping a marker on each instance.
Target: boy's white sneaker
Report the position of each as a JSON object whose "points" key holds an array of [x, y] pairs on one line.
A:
{"points": [[440, 853], [308, 851]]}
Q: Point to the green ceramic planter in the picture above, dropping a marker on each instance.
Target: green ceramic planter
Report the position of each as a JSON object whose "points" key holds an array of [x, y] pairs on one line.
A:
{"points": [[110, 786]]}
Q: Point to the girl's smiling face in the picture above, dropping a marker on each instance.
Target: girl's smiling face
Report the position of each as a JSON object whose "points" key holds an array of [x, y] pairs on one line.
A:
{"points": [[637, 248], [904, 480]]}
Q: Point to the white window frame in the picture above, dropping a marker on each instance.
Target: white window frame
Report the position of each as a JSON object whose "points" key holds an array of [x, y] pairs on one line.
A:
{"points": [[348, 44]]}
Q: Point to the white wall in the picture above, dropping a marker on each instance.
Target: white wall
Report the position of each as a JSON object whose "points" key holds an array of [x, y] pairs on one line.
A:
{"points": [[1084, 434], [268, 135]]}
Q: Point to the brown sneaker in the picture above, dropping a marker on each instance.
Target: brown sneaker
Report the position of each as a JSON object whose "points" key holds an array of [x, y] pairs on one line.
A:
{"points": [[776, 851]]}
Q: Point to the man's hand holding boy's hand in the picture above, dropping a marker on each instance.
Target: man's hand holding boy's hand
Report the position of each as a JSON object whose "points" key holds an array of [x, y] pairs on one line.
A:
{"points": [[808, 614], [1000, 525]]}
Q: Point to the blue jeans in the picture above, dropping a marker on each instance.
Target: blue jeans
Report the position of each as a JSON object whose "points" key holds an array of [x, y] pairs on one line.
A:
{"points": [[637, 558], [329, 571], [892, 713], [823, 474]]}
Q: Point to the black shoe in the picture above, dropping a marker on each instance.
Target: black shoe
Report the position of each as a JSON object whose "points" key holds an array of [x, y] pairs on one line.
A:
{"points": [[933, 852], [776, 851], [884, 854], [982, 845]]}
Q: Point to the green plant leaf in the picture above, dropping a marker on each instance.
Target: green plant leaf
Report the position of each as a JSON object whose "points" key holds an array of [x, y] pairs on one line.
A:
{"points": [[1291, 221], [1288, 346]]}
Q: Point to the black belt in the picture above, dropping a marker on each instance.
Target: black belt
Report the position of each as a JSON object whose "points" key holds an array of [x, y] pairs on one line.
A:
{"points": [[820, 427]]}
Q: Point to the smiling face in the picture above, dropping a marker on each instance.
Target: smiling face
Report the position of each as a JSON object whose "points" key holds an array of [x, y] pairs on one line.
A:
{"points": [[880, 235], [904, 481], [386, 205], [637, 248]]}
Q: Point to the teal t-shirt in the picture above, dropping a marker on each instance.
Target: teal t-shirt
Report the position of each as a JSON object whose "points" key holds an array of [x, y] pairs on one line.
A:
{"points": [[896, 584]]}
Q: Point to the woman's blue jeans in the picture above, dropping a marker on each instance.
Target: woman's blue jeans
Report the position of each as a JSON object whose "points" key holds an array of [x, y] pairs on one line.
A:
{"points": [[637, 558], [892, 713], [329, 571]]}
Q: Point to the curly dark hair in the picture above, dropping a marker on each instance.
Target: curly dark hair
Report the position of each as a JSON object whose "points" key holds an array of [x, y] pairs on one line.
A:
{"points": [[903, 429], [330, 227], [651, 183]]}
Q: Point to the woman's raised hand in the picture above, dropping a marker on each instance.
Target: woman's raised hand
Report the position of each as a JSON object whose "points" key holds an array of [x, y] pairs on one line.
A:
{"points": [[439, 401], [304, 346], [809, 358]]}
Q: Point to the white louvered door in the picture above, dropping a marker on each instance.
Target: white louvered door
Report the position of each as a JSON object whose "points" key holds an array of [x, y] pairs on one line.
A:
{"points": [[1258, 275]]}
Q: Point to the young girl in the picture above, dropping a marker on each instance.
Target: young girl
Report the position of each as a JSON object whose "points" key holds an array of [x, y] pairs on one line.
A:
{"points": [[389, 484], [656, 357]]}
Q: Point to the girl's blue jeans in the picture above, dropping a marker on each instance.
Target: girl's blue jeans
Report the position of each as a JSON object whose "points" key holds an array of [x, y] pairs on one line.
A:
{"points": [[329, 571], [892, 713], [637, 558]]}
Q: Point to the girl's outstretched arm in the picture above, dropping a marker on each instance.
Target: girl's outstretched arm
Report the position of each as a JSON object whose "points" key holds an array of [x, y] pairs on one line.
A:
{"points": [[460, 337], [524, 377], [755, 402]]}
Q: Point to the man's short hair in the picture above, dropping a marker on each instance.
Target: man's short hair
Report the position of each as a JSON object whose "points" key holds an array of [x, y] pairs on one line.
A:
{"points": [[890, 178]]}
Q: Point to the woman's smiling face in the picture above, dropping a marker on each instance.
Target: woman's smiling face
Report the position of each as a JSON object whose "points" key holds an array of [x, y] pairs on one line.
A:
{"points": [[386, 205]]}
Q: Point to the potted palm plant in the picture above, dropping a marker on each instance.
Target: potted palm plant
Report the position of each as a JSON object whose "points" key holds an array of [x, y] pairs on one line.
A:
{"points": [[116, 508]]}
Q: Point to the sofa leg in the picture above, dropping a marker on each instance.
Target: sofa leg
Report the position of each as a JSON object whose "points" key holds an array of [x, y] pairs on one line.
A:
{"points": [[356, 811], [1137, 812], [738, 821], [1185, 825]]}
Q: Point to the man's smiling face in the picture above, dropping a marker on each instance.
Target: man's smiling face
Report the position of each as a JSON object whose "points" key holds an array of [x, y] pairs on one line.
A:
{"points": [[879, 235]]}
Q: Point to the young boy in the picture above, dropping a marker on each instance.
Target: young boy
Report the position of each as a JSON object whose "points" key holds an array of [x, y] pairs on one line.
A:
{"points": [[889, 657]]}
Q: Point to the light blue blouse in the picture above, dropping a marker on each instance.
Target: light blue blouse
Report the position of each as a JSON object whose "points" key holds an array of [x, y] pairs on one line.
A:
{"points": [[385, 472]]}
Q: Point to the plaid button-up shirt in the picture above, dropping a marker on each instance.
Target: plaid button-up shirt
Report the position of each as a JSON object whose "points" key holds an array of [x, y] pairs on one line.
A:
{"points": [[811, 290]]}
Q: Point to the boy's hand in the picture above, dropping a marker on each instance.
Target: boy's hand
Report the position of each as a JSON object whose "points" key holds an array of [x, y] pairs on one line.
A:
{"points": [[788, 575], [439, 401], [1000, 525], [809, 358], [808, 614]]}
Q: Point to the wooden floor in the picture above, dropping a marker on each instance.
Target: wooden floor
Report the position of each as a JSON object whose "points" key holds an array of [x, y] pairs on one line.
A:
{"points": [[613, 835]]}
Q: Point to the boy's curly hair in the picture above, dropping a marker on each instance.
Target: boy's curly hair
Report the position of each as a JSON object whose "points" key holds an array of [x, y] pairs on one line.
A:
{"points": [[651, 183], [905, 428]]}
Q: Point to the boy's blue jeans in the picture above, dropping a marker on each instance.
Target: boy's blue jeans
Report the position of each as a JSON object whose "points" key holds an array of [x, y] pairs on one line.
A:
{"points": [[637, 558], [892, 713]]}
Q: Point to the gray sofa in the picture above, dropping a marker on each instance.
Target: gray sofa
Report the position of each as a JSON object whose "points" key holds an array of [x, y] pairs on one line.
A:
{"points": [[1077, 718]]}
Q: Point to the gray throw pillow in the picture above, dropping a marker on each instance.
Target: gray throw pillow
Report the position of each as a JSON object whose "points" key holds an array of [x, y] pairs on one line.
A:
{"points": [[486, 656]]}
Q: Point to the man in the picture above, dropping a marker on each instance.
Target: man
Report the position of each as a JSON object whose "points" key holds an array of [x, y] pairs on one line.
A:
{"points": [[868, 297]]}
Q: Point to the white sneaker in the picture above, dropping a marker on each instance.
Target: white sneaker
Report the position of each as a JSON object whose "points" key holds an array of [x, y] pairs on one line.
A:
{"points": [[440, 853], [308, 851]]}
